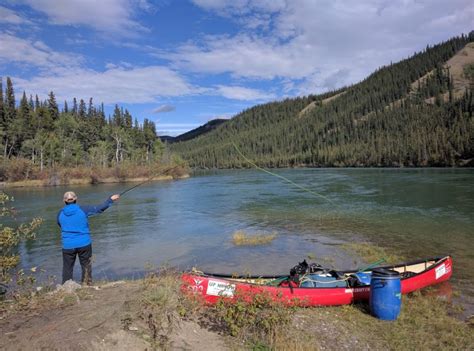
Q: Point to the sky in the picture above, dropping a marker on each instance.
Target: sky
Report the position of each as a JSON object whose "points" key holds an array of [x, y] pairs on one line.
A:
{"points": [[182, 63]]}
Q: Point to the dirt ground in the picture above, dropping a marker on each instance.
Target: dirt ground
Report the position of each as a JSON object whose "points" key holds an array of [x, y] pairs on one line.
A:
{"points": [[94, 319], [112, 316]]}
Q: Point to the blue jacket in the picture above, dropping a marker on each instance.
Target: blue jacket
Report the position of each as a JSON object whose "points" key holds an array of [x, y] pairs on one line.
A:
{"points": [[74, 225]]}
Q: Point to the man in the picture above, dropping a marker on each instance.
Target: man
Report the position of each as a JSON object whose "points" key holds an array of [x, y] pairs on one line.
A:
{"points": [[75, 234]]}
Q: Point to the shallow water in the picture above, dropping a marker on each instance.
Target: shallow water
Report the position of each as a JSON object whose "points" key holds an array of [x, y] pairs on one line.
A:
{"points": [[185, 223]]}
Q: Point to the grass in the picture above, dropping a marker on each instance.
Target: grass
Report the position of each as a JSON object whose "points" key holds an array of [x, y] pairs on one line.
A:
{"points": [[259, 323], [241, 238], [425, 321], [424, 324]]}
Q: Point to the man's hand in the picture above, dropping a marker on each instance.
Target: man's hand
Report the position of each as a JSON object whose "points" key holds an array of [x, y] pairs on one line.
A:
{"points": [[115, 197]]}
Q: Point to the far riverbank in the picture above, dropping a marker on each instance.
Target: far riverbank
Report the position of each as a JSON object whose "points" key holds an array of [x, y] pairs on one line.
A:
{"points": [[92, 176], [85, 181]]}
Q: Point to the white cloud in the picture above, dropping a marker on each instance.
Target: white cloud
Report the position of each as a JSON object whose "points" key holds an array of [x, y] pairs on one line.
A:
{"points": [[230, 7], [244, 56], [242, 93], [300, 46], [10, 17], [318, 45], [106, 16], [164, 109], [120, 82], [250, 14], [115, 85], [34, 54]]}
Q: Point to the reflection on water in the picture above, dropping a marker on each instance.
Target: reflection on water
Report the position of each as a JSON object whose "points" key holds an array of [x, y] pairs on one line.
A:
{"points": [[416, 212]]}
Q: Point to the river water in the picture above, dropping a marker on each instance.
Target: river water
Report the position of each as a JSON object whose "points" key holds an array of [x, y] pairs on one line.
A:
{"points": [[190, 222]]}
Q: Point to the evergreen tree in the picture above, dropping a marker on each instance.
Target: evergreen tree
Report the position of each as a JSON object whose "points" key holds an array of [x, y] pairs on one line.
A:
{"points": [[90, 110], [10, 111], [31, 103], [74, 107], [82, 110], [127, 119], [9, 118], [53, 107], [3, 122], [23, 120], [37, 103], [117, 116], [2, 109]]}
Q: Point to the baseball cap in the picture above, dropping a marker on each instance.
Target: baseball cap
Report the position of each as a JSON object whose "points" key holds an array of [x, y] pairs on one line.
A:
{"points": [[70, 196]]}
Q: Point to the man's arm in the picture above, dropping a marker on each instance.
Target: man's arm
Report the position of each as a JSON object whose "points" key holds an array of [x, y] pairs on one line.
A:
{"points": [[93, 210]]}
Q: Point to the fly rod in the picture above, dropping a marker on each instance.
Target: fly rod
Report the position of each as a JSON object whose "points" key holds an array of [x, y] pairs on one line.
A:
{"points": [[146, 181]]}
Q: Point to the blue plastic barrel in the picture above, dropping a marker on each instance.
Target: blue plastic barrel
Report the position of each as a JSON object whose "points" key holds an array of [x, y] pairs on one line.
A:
{"points": [[385, 294]]}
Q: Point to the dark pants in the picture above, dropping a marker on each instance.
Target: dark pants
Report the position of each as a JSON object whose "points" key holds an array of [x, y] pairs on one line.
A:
{"points": [[69, 258]]}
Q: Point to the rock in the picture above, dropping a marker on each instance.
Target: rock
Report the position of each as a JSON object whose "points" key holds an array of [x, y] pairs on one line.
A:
{"points": [[70, 286], [113, 284]]}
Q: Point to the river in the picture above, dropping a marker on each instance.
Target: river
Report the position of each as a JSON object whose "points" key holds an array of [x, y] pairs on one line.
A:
{"points": [[190, 222]]}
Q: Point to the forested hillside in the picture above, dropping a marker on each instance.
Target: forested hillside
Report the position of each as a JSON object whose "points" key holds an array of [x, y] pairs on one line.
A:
{"points": [[411, 113], [37, 135]]}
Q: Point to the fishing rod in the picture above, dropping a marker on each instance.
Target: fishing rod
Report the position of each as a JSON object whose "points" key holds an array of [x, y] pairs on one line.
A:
{"points": [[279, 176], [146, 181]]}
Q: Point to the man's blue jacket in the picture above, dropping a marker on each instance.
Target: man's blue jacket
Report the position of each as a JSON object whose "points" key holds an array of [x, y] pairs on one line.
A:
{"points": [[72, 219]]}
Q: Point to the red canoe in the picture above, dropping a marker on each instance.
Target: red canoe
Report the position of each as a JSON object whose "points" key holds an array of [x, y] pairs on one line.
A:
{"points": [[413, 276]]}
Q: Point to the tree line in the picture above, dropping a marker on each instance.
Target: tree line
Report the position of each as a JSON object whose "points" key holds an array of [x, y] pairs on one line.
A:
{"points": [[77, 135], [382, 121]]}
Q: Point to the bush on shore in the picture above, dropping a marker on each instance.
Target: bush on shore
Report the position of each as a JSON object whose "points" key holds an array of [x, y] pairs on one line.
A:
{"points": [[21, 169], [10, 237]]}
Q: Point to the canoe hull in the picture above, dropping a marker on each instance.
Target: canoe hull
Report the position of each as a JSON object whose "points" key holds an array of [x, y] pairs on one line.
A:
{"points": [[214, 287]]}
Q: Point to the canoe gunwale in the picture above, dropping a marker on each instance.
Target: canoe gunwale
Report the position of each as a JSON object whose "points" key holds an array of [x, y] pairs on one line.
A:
{"points": [[437, 261]]}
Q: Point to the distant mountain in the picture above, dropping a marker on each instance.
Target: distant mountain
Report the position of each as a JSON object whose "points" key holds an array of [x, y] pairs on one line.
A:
{"points": [[205, 128], [417, 112], [167, 139]]}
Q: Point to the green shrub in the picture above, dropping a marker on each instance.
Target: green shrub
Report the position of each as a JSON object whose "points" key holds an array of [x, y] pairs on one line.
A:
{"points": [[255, 319], [10, 237]]}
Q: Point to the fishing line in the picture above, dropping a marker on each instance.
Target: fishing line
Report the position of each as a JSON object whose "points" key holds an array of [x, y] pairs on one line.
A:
{"points": [[280, 176], [146, 181]]}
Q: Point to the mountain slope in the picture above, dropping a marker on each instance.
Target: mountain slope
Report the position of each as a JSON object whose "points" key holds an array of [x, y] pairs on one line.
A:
{"points": [[385, 120]]}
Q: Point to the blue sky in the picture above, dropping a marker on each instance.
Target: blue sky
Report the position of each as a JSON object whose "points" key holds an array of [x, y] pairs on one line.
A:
{"points": [[182, 63]]}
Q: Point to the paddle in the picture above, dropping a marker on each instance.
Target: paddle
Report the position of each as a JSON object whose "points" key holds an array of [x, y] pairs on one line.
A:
{"points": [[372, 265]]}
